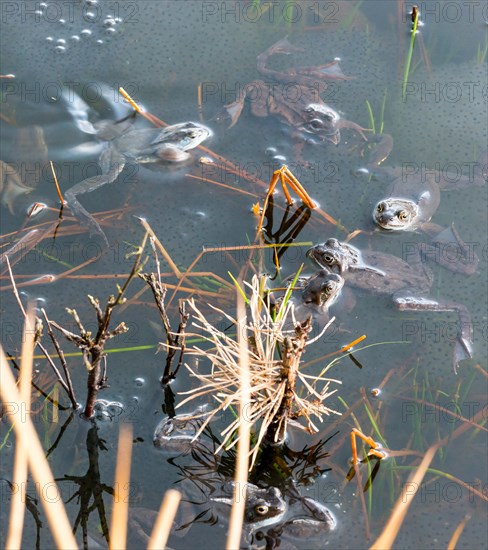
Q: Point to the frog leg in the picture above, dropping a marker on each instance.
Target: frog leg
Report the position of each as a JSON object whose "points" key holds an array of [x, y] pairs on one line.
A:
{"points": [[257, 92], [463, 347], [453, 254], [343, 123], [116, 163], [380, 151], [309, 76], [283, 46]]}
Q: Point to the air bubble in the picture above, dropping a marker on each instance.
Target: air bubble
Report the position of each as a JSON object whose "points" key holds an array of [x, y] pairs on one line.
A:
{"points": [[60, 49], [62, 21], [85, 33], [49, 39], [90, 16], [75, 38], [139, 382], [91, 2], [280, 158], [61, 41], [109, 22], [110, 31], [99, 42]]}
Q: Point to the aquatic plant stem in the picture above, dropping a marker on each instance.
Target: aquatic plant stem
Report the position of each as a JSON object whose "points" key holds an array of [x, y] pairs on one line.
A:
{"points": [[409, 56], [164, 521]]}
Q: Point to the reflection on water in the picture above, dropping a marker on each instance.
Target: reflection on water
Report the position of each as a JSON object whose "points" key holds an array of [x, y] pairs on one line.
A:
{"points": [[160, 52]]}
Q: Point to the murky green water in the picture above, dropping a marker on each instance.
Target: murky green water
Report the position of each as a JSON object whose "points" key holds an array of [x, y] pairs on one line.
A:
{"points": [[160, 52]]}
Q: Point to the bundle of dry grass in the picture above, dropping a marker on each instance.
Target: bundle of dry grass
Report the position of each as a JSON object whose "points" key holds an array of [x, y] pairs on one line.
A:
{"points": [[279, 390]]}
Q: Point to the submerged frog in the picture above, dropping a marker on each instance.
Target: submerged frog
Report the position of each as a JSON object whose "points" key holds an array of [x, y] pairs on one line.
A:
{"points": [[271, 514], [307, 115], [413, 198], [171, 144], [382, 273], [23, 176], [177, 433], [264, 507]]}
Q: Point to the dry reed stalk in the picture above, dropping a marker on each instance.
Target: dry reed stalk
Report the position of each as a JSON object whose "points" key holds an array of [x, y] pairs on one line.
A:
{"points": [[19, 477], [244, 433], [164, 521], [161, 248], [458, 532], [120, 509], [390, 531], [27, 438]]}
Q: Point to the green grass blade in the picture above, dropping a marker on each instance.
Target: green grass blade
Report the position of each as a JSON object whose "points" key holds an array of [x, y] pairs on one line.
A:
{"points": [[287, 297], [239, 288]]}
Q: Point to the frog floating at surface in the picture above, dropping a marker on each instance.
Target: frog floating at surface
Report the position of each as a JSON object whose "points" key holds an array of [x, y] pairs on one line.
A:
{"points": [[382, 273], [412, 198], [171, 144], [307, 115]]}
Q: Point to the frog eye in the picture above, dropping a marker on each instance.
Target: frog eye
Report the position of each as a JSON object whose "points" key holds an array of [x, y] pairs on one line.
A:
{"points": [[403, 215], [261, 509], [328, 259], [316, 124]]}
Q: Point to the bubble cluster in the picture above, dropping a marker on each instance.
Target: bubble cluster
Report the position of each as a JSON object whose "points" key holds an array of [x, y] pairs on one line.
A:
{"points": [[88, 21]]}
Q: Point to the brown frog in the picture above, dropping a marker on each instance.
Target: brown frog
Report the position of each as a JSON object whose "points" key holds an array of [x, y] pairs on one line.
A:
{"points": [[407, 283], [308, 116]]}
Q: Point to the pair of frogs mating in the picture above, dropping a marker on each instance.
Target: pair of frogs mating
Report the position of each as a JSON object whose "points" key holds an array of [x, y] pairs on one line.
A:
{"points": [[407, 283]]}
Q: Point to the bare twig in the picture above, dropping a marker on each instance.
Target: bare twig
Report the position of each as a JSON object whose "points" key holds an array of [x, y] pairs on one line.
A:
{"points": [[93, 347], [174, 341], [70, 389]]}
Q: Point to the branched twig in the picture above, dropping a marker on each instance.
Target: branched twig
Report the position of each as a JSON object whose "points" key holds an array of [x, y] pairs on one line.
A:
{"points": [[93, 347], [173, 340], [70, 389], [293, 348]]}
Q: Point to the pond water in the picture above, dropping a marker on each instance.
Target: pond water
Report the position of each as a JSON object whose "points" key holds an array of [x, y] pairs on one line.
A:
{"points": [[68, 59]]}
